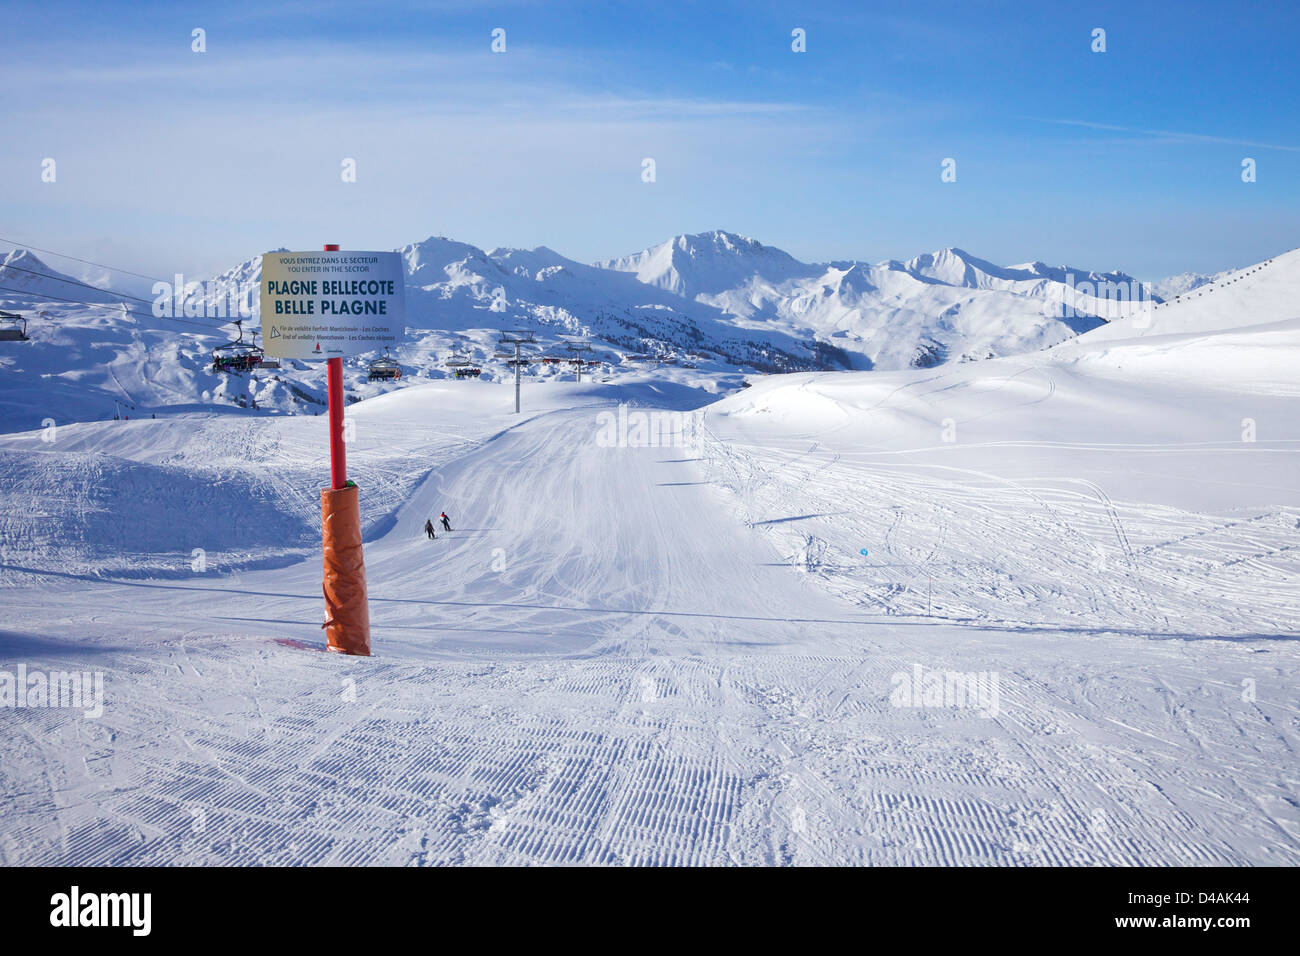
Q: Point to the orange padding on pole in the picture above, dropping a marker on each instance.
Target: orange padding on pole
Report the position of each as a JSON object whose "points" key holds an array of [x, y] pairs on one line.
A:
{"points": [[347, 612]]}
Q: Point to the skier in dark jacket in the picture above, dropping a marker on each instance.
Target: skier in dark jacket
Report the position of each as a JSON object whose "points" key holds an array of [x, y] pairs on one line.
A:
{"points": [[446, 522], [428, 529]]}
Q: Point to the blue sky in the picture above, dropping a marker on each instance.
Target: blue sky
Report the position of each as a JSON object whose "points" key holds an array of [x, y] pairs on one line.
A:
{"points": [[171, 160]]}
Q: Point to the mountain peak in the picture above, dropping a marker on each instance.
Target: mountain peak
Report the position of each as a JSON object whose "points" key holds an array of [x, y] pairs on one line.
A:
{"points": [[706, 263], [950, 265], [24, 272], [720, 240], [26, 259], [429, 261]]}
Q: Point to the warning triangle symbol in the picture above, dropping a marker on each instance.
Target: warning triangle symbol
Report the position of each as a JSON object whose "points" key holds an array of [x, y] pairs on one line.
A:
{"points": [[275, 333]]}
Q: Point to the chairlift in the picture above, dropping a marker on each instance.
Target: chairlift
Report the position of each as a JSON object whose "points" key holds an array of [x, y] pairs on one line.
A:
{"points": [[13, 327], [237, 357], [384, 369]]}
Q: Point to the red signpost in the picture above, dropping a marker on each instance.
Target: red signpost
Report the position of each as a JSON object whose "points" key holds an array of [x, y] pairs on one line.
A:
{"points": [[309, 300], [347, 609], [334, 377]]}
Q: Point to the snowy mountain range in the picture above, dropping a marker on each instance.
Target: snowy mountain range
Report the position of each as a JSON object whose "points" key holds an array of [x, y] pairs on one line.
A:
{"points": [[750, 304], [717, 300], [941, 306]]}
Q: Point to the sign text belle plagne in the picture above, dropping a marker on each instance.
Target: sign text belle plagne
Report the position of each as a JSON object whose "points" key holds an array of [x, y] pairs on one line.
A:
{"points": [[318, 305]]}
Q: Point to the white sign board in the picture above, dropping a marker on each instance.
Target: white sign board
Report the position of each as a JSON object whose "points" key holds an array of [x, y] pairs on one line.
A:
{"points": [[321, 305]]}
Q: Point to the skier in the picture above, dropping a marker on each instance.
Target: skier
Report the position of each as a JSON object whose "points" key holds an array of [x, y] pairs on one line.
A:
{"points": [[446, 522], [428, 529]]}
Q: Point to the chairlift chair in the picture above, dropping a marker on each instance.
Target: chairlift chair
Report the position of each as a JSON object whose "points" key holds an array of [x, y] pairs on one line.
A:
{"points": [[384, 369], [13, 327], [237, 357]]}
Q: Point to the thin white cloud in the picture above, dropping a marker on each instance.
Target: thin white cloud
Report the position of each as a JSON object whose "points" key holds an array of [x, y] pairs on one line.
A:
{"points": [[533, 83], [1168, 134]]}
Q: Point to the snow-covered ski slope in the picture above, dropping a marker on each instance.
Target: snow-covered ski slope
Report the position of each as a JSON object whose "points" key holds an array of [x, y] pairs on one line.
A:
{"points": [[672, 655]]}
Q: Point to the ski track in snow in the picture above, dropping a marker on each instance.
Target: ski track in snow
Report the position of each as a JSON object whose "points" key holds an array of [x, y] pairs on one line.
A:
{"points": [[603, 665], [1210, 572]]}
